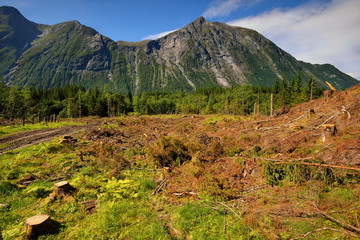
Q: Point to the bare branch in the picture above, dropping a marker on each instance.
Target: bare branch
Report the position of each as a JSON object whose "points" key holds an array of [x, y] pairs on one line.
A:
{"points": [[230, 209], [326, 228], [342, 224]]}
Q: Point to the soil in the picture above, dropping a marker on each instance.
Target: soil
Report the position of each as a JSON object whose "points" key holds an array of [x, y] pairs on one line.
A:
{"points": [[28, 138]]}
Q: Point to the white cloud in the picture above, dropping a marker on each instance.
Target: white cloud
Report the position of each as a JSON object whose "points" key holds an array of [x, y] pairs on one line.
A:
{"points": [[317, 33], [158, 35], [355, 75], [221, 8]]}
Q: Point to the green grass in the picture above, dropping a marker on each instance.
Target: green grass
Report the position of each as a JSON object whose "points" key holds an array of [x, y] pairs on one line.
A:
{"points": [[12, 129], [123, 207], [205, 222], [119, 184]]}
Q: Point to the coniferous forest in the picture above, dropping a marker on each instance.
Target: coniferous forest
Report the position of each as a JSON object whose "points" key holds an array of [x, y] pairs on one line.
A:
{"points": [[35, 105]]}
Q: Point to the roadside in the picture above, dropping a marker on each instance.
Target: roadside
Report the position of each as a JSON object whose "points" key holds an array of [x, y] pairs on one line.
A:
{"points": [[29, 138]]}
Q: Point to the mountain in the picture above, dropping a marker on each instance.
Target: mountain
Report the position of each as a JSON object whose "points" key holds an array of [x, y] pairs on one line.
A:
{"points": [[16, 34], [201, 54]]}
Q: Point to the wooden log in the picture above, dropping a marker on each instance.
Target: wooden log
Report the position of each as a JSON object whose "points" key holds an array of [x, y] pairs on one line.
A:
{"points": [[37, 225]]}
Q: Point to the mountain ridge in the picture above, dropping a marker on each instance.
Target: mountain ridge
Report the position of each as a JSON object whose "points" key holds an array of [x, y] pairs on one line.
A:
{"points": [[201, 54]]}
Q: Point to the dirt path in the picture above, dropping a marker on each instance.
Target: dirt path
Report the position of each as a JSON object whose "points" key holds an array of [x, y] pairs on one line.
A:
{"points": [[29, 138]]}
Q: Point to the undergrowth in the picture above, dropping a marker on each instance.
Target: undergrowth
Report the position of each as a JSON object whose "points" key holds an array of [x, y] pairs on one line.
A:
{"points": [[137, 180]]}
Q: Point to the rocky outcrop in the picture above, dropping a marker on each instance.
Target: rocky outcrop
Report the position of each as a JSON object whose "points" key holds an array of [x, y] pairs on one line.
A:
{"points": [[201, 54]]}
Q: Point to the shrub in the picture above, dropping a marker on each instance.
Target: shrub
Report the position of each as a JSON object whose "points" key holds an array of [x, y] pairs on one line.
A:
{"points": [[168, 152]]}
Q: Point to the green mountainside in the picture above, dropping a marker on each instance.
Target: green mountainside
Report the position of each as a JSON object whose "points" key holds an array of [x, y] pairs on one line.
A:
{"points": [[202, 54], [16, 34]]}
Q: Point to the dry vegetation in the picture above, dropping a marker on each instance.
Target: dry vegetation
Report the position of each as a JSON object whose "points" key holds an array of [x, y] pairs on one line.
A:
{"points": [[197, 177]]}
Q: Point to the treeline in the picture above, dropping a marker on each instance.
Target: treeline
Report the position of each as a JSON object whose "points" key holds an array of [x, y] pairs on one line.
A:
{"points": [[239, 100], [35, 105]]}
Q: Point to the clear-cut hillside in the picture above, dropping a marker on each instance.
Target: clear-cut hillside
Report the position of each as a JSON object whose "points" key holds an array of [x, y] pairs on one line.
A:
{"points": [[201, 54]]}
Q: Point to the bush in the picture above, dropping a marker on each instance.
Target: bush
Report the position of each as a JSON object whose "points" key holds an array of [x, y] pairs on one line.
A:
{"points": [[169, 152]]}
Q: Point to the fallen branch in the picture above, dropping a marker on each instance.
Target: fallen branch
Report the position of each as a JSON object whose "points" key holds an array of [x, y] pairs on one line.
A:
{"points": [[342, 224], [321, 165], [181, 194], [349, 210], [325, 228], [147, 169], [324, 122], [268, 128], [159, 187], [230, 209], [310, 129], [254, 188], [287, 161], [294, 120]]}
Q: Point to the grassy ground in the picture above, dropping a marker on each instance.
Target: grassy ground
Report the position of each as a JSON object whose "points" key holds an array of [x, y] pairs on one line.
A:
{"points": [[12, 129], [210, 174]]}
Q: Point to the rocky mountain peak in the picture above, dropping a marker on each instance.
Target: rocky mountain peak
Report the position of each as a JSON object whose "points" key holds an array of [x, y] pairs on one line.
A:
{"points": [[199, 21], [201, 54], [6, 10]]}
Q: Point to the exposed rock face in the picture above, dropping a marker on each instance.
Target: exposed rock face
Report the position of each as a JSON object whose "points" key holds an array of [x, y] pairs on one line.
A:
{"points": [[201, 54]]}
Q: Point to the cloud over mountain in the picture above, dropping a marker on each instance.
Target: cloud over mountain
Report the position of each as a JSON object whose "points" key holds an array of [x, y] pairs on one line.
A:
{"points": [[314, 32]]}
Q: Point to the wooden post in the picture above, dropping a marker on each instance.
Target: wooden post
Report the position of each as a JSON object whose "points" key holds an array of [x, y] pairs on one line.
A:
{"points": [[37, 225], [271, 104]]}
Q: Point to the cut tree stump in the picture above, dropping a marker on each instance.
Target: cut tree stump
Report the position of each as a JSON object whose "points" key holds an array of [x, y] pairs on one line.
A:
{"points": [[37, 225], [330, 128], [63, 188], [67, 140]]}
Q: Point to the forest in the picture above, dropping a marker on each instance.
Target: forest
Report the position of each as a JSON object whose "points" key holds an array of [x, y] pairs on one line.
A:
{"points": [[35, 105]]}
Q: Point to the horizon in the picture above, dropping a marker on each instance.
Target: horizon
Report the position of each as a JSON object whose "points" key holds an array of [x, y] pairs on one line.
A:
{"points": [[315, 31]]}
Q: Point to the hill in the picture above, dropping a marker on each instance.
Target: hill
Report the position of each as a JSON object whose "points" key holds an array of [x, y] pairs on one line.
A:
{"points": [[201, 54]]}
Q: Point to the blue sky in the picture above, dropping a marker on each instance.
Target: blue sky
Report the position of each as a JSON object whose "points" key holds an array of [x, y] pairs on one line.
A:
{"points": [[316, 31]]}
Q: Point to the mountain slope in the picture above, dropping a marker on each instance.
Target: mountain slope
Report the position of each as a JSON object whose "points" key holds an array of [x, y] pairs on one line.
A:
{"points": [[16, 34], [65, 53], [201, 54]]}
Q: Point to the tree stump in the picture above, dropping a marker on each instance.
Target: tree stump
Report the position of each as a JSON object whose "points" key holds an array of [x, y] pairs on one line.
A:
{"points": [[328, 94], [37, 225], [68, 140], [63, 188], [330, 128]]}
